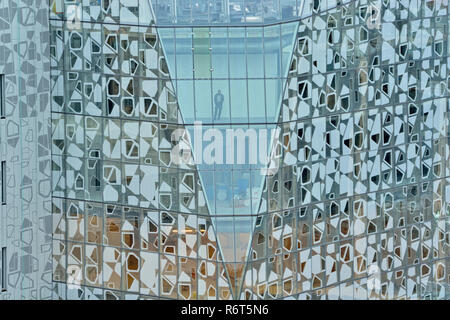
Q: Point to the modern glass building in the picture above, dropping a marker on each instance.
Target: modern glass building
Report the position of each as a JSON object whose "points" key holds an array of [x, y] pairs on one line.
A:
{"points": [[225, 149]]}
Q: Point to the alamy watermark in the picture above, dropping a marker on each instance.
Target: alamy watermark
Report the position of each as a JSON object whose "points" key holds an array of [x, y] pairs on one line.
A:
{"points": [[74, 277], [73, 15], [374, 17], [227, 146]]}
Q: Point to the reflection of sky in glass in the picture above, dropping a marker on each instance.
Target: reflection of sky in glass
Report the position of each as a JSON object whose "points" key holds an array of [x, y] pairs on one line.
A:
{"points": [[202, 12], [234, 234], [233, 189], [236, 12], [249, 66]]}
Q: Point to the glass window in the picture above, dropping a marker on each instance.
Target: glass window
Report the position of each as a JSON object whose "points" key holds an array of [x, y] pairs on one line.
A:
{"points": [[221, 112], [163, 10], [202, 59], [237, 58], [208, 183], [271, 10], [236, 11], [184, 58], [242, 191], [243, 233], [288, 9], [168, 43], [75, 41], [225, 233], [224, 194], [183, 9], [255, 52], [200, 11], [273, 99], [185, 94], [256, 100], [219, 52], [253, 12], [218, 11], [203, 102], [238, 94], [272, 51], [288, 34], [257, 184]]}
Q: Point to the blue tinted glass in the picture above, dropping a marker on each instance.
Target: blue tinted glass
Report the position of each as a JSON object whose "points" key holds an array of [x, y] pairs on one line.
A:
{"points": [[238, 94], [202, 59], [208, 183], [271, 11], [232, 12], [242, 192], [203, 102], [164, 11], [219, 52], [225, 234], [224, 192], [238, 68], [256, 101], [257, 185], [272, 53], [273, 99], [221, 101], [184, 57], [255, 52], [183, 11], [236, 11], [185, 94]]}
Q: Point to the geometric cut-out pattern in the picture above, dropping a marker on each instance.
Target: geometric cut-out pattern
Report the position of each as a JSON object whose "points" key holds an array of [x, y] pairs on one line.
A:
{"points": [[357, 209]]}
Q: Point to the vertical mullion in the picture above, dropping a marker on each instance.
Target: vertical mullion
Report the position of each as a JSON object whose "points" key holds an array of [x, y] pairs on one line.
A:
{"points": [[3, 269], [3, 169], [2, 96]]}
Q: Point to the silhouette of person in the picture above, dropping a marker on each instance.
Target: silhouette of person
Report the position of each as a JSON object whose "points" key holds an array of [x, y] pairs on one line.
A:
{"points": [[218, 102]]}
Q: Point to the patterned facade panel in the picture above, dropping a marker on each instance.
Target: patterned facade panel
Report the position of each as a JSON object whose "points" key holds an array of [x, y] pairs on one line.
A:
{"points": [[25, 224], [363, 135], [357, 207], [129, 221]]}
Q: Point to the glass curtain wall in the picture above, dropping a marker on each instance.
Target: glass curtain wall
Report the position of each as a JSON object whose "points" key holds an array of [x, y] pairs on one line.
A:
{"points": [[356, 206]]}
